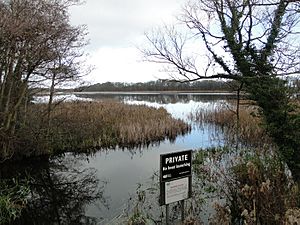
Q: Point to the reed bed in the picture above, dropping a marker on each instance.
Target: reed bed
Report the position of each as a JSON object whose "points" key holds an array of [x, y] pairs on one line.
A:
{"points": [[81, 126], [248, 129]]}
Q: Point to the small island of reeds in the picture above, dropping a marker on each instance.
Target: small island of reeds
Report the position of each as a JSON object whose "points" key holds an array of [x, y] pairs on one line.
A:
{"points": [[84, 126]]}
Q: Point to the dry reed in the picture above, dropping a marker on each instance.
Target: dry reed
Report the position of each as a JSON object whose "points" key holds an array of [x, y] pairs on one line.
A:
{"points": [[86, 125], [247, 128]]}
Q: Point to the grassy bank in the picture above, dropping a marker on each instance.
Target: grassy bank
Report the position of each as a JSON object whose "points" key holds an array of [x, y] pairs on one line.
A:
{"points": [[82, 126], [251, 182]]}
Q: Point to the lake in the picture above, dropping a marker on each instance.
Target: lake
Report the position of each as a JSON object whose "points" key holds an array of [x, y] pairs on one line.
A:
{"points": [[101, 188]]}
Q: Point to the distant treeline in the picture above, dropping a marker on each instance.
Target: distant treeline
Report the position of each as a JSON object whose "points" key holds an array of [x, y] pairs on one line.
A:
{"points": [[160, 85]]}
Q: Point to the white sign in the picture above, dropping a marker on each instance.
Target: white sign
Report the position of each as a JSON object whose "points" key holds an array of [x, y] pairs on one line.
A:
{"points": [[176, 190]]}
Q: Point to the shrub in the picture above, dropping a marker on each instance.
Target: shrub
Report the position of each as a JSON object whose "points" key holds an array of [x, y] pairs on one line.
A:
{"points": [[255, 186], [13, 198]]}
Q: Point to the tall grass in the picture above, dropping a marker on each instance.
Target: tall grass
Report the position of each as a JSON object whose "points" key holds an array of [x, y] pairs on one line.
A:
{"points": [[77, 126], [247, 128], [254, 184]]}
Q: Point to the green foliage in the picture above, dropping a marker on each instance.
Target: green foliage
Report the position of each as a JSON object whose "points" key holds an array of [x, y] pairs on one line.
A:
{"points": [[137, 219], [281, 118], [13, 198]]}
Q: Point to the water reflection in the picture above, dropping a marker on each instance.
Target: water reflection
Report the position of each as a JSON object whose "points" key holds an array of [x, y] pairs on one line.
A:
{"points": [[157, 97], [60, 190], [72, 190]]}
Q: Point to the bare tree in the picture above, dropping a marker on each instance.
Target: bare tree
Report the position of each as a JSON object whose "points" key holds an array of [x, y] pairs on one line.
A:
{"points": [[241, 37], [254, 42], [68, 65], [36, 38]]}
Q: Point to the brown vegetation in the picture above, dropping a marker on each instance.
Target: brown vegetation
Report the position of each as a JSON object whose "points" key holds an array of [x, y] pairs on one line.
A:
{"points": [[37, 44], [254, 185], [248, 126], [86, 125]]}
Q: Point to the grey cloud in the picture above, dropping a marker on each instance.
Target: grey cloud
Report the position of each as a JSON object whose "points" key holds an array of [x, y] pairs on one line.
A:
{"points": [[118, 22]]}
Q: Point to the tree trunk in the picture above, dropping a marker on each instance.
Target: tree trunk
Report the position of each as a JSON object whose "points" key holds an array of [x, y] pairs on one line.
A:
{"points": [[51, 95]]}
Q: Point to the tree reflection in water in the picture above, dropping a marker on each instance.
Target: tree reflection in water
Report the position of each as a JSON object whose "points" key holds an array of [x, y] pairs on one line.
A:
{"points": [[158, 97], [60, 191]]}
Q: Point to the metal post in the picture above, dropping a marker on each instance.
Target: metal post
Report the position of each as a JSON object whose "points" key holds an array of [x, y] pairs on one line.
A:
{"points": [[182, 211], [167, 214]]}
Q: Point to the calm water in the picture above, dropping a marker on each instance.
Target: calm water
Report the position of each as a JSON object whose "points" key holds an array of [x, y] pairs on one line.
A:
{"points": [[101, 188]]}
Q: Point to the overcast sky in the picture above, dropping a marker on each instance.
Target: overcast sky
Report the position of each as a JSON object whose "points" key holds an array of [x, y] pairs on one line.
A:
{"points": [[116, 28]]}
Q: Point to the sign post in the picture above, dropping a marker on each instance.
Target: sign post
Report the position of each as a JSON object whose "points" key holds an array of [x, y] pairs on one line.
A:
{"points": [[175, 179]]}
